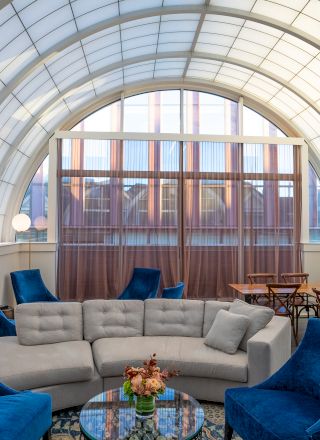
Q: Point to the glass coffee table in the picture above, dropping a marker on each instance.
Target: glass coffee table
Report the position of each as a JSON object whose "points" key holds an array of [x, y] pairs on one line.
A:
{"points": [[108, 416]]}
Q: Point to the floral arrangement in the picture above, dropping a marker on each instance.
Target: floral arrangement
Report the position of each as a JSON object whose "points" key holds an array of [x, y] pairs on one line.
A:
{"points": [[147, 380]]}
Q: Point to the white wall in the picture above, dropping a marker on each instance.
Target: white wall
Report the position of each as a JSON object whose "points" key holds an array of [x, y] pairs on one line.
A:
{"points": [[311, 261], [15, 256]]}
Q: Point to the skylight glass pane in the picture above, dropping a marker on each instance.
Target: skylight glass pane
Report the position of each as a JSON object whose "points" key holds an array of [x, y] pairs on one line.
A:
{"points": [[10, 30], [258, 37], [58, 114], [107, 54], [94, 17], [284, 61], [139, 31], [231, 80], [271, 9], [245, 5], [292, 51], [82, 73], [70, 70], [105, 62], [249, 57], [8, 53], [4, 148], [283, 107], [306, 23], [5, 194], [49, 23], [251, 47], [35, 11], [211, 48], [71, 57], [279, 70], [140, 42], [129, 6], [34, 138], [57, 35], [223, 40], [260, 93], [144, 50], [217, 28], [17, 163], [308, 89], [237, 73]]}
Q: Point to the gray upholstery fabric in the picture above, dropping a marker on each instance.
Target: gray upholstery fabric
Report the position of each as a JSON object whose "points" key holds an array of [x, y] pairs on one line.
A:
{"points": [[172, 317], [227, 331], [67, 395], [189, 355], [269, 349], [23, 367], [112, 318], [49, 322], [259, 317], [211, 308]]}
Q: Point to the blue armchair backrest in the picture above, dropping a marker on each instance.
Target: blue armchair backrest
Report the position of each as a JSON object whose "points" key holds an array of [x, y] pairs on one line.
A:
{"points": [[28, 286], [143, 284], [173, 292], [302, 371]]}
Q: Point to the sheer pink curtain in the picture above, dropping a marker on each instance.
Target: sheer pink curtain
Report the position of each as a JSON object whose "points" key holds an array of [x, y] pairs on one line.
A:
{"points": [[206, 213]]}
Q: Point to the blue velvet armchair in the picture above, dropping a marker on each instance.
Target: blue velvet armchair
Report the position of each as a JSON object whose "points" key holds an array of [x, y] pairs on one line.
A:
{"points": [[24, 415], [144, 284], [7, 326], [285, 406], [29, 287], [173, 292]]}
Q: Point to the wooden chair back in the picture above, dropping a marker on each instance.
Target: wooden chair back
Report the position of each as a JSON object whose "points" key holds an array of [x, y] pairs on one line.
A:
{"points": [[317, 292], [282, 298], [264, 277], [295, 277]]}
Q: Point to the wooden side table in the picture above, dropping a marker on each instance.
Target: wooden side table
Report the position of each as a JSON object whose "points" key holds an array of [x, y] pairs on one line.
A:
{"points": [[8, 311]]}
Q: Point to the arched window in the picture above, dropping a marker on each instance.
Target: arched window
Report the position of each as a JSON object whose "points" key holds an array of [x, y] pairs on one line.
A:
{"points": [[35, 205]]}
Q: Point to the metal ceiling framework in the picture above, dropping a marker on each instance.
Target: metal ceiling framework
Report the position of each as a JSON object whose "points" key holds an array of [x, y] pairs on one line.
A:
{"points": [[59, 59]]}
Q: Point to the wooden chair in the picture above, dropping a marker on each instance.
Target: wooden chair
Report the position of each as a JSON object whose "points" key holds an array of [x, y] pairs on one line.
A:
{"points": [[302, 300], [263, 277], [295, 277], [282, 299], [316, 305]]}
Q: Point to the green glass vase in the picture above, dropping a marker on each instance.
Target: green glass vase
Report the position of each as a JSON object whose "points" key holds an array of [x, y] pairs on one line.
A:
{"points": [[145, 406]]}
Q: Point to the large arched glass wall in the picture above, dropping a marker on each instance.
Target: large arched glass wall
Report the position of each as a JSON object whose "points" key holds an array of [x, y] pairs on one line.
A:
{"points": [[125, 194]]}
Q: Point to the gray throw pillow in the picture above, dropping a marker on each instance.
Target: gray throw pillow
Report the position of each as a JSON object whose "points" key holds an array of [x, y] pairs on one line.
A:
{"points": [[259, 317], [227, 331]]}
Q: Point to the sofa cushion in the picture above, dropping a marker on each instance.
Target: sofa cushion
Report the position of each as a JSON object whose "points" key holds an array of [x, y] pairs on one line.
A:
{"points": [[259, 317], [227, 331], [49, 322], [173, 317], [211, 308], [188, 355], [112, 318], [26, 367]]}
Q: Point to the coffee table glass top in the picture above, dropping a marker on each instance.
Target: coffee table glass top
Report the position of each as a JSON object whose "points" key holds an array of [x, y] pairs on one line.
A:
{"points": [[108, 416]]}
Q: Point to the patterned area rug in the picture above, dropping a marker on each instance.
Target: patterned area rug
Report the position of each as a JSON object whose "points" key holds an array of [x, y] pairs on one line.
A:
{"points": [[66, 424]]}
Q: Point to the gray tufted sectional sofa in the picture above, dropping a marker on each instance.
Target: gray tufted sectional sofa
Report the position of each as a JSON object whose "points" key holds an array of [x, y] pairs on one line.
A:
{"points": [[74, 351]]}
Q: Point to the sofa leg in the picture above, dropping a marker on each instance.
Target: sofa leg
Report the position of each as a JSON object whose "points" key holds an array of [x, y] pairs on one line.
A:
{"points": [[228, 431]]}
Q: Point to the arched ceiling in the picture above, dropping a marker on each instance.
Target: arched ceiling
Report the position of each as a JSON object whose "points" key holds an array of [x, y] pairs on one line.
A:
{"points": [[57, 57]]}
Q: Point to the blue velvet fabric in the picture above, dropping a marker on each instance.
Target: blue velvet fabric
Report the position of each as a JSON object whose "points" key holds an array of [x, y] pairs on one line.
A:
{"points": [[7, 326], [144, 284], [285, 406], [24, 415], [29, 287], [173, 292]]}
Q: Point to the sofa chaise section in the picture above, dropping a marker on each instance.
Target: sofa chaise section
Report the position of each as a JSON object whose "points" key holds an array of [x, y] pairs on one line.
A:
{"points": [[50, 355]]}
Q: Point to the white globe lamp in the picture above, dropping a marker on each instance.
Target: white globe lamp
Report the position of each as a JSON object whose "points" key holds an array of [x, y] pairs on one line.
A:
{"points": [[21, 222]]}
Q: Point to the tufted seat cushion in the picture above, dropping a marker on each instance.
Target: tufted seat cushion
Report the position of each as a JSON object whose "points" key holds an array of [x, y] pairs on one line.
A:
{"points": [[169, 317], [189, 355], [49, 323], [26, 367], [112, 318]]}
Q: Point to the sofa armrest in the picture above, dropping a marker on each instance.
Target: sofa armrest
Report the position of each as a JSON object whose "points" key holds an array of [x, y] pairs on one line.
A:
{"points": [[269, 349]]}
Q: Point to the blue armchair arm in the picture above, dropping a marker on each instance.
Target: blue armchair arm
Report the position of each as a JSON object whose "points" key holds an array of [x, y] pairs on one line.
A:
{"points": [[5, 391], [314, 431]]}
